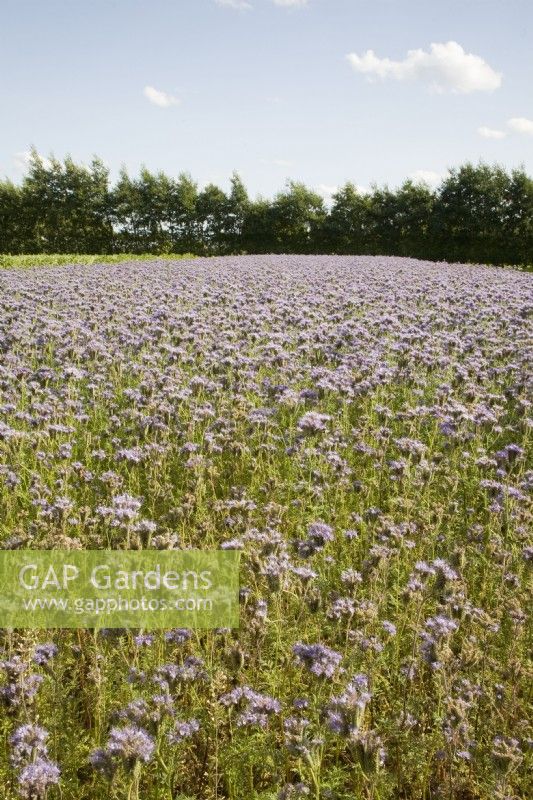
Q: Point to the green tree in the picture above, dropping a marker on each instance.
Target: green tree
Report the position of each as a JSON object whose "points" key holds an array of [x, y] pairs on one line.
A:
{"points": [[13, 232], [142, 212], [183, 222], [415, 206], [125, 214], [237, 209], [151, 195], [383, 223], [42, 201], [346, 227], [479, 213], [257, 231], [518, 222], [296, 217], [212, 218], [66, 207], [470, 214]]}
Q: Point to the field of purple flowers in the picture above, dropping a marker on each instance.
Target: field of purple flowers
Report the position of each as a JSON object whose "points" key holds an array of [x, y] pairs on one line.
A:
{"points": [[360, 429]]}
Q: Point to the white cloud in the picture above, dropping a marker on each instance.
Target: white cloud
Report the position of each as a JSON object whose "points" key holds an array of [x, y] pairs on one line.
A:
{"points": [[239, 5], [491, 133], [427, 176], [521, 125], [282, 162], [446, 68], [293, 3], [159, 98], [326, 191]]}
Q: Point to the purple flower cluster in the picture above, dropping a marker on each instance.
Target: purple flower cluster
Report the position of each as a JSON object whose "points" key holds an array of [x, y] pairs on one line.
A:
{"points": [[319, 659], [255, 708], [44, 653], [318, 535], [127, 746], [29, 755], [344, 713], [183, 730], [21, 686]]}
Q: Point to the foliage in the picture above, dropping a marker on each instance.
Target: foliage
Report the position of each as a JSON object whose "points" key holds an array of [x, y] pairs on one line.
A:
{"points": [[480, 214]]}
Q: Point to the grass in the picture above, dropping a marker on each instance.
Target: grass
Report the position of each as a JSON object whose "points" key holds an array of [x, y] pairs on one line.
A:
{"points": [[60, 259]]}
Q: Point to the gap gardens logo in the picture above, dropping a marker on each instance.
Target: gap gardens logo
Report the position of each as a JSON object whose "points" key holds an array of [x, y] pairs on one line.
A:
{"points": [[119, 589]]}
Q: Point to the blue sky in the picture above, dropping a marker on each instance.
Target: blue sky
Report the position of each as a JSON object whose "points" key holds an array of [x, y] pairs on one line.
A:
{"points": [[277, 89]]}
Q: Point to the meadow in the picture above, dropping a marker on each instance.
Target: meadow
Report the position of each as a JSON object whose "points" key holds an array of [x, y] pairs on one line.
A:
{"points": [[360, 428], [67, 259]]}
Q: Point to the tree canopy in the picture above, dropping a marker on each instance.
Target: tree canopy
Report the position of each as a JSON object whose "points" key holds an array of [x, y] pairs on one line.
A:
{"points": [[479, 213]]}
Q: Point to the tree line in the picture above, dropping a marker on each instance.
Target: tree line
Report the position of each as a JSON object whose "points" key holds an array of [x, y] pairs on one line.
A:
{"points": [[479, 213]]}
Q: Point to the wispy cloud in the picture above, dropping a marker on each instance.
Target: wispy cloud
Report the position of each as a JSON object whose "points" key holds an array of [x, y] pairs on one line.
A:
{"points": [[427, 176], [445, 67], [159, 98], [521, 125], [491, 133], [281, 162], [293, 3], [326, 191], [515, 124], [238, 5]]}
